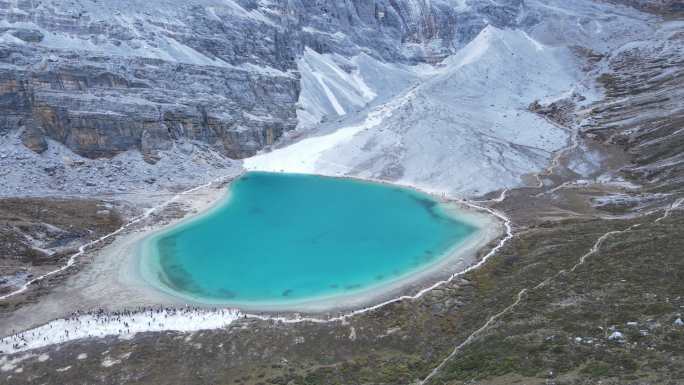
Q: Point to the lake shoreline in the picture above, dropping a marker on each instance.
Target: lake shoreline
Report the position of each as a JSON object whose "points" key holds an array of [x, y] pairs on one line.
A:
{"points": [[455, 258], [110, 282]]}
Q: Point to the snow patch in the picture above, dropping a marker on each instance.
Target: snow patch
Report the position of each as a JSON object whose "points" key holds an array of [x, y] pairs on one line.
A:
{"points": [[328, 88], [98, 325], [7, 364], [303, 156], [616, 336]]}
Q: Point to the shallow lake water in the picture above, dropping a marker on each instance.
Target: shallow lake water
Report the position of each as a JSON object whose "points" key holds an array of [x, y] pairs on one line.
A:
{"points": [[289, 237]]}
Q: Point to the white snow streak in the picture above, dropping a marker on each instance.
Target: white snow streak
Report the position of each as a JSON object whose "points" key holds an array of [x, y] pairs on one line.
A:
{"points": [[331, 97], [675, 205]]}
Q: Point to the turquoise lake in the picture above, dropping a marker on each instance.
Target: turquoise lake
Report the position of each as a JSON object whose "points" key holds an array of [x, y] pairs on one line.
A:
{"points": [[289, 237]]}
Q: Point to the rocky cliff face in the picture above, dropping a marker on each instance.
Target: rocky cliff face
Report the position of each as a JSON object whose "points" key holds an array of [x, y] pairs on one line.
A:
{"points": [[106, 77], [668, 8], [102, 83]]}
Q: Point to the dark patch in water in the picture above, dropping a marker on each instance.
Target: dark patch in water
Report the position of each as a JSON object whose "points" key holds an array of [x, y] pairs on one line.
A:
{"points": [[351, 287], [225, 293], [425, 202], [317, 238], [379, 277], [166, 247], [162, 279], [429, 205], [287, 292], [178, 278], [174, 275], [255, 211], [334, 286]]}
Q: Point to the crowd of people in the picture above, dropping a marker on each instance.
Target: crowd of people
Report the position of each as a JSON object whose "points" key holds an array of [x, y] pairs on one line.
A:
{"points": [[101, 323]]}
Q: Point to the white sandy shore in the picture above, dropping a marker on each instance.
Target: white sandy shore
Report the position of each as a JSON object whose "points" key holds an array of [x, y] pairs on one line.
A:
{"points": [[104, 281], [113, 284]]}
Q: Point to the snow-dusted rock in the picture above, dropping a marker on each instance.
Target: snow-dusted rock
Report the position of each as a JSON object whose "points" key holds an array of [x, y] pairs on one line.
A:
{"points": [[449, 134], [616, 336], [403, 88]]}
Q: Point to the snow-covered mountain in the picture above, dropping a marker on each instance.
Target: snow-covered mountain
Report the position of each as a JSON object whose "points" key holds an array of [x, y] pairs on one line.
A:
{"points": [[106, 77], [428, 93], [464, 126]]}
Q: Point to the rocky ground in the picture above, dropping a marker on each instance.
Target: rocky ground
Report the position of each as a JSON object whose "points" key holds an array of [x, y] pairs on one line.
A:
{"points": [[588, 290], [38, 235]]}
